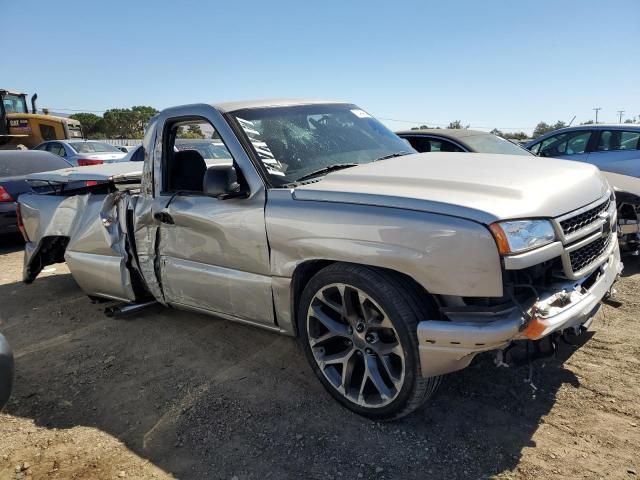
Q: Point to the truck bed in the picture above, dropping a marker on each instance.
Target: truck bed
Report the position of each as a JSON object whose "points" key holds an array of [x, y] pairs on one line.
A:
{"points": [[123, 172]]}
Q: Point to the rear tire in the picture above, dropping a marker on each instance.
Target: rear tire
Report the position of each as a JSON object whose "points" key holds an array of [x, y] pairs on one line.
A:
{"points": [[358, 328]]}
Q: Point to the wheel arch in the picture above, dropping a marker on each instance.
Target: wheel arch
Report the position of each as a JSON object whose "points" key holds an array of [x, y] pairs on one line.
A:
{"points": [[305, 271]]}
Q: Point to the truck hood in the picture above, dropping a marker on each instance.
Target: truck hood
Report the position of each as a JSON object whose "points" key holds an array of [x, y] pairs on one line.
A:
{"points": [[481, 187]]}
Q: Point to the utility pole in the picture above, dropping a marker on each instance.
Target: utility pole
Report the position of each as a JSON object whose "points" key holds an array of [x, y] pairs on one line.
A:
{"points": [[620, 112], [597, 109]]}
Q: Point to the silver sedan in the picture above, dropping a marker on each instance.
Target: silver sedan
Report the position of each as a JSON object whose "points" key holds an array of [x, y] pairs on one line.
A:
{"points": [[83, 152], [611, 148]]}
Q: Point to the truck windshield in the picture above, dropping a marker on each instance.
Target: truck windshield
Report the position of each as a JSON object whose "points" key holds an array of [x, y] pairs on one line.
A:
{"points": [[14, 103], [295, 141]]}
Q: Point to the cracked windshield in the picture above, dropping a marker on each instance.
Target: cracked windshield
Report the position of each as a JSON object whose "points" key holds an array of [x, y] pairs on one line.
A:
{"points": [[295, 142]]}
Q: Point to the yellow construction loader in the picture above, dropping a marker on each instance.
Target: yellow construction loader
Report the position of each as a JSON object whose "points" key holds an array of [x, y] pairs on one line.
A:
{"points": [[20, 128]]}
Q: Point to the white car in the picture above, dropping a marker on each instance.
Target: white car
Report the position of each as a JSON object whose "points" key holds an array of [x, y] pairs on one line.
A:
{"points": [[83, 152]]}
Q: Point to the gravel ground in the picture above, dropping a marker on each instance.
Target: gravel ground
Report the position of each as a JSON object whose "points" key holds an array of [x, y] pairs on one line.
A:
{"points": [[171, 394]]}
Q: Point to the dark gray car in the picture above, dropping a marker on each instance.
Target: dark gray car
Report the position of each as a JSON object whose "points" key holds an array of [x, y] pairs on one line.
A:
{"points": [[15, 165]]}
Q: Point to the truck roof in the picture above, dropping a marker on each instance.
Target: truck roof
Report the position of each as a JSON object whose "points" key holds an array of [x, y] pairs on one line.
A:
{"points": [[226, 107]]}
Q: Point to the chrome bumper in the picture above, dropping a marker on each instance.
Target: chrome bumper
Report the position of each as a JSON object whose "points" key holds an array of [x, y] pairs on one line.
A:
{"points": [[447, 346]]}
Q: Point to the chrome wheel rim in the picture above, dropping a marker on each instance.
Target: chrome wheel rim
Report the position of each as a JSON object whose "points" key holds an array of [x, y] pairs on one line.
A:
{"points": [[355, 345]]}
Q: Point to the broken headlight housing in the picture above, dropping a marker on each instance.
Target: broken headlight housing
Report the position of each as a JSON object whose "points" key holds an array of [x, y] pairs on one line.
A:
{"points": [[516, 236]]}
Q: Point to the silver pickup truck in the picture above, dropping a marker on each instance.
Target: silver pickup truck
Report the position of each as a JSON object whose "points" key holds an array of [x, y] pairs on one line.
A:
{"points": [[313, 220]]}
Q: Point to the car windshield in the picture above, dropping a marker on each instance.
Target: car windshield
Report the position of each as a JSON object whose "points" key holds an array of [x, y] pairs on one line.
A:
{"points": [[13, 164], [94, 147], [295, 141], [494, 144]]}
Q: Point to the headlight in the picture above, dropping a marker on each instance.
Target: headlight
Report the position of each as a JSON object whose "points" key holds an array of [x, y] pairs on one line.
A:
{"points": [[517, 236]]}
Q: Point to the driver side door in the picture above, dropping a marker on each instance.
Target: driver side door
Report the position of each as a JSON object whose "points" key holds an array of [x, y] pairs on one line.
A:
{"points": [[213, 253]]}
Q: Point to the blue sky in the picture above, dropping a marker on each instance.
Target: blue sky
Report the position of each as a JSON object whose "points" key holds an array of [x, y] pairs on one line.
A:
{"points": [[506, 64]]}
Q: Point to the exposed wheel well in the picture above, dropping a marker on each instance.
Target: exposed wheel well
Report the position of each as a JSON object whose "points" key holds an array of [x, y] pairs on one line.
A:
{"points": [[306, 270], [51, 250]]}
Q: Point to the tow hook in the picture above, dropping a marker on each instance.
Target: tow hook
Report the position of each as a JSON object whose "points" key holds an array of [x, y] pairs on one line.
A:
{"points": [[610, 298]]}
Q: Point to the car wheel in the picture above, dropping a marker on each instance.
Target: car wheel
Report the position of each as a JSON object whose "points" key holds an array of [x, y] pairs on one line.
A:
{"points": [[358, 328]]}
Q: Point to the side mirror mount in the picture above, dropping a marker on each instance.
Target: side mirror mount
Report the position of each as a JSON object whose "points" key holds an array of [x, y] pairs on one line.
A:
{"points": [[221, 182]]}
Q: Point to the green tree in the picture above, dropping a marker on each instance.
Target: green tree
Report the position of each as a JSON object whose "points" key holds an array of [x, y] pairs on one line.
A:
{"points": [[142, 115], [541, 129], [191, 131], [516, 136], [456, 124], [127, 123], [92, 124]]}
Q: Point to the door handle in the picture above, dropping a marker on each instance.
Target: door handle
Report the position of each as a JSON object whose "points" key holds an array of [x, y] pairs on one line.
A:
{"points": [[164, 217]]}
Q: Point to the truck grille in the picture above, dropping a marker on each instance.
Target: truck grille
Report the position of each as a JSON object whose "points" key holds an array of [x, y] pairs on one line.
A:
{"points": [[573, 224], [584, 256]]}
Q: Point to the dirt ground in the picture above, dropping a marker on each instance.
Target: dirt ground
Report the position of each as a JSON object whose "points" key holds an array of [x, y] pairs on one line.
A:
{"points": [[171, 394]]}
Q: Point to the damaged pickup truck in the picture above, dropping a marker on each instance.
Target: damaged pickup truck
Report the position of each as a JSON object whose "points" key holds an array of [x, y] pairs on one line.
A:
{"points": [[393, 268]]}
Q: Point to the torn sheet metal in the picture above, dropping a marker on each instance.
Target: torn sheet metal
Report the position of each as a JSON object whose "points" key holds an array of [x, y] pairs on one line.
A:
{"points": [[94, 247]]}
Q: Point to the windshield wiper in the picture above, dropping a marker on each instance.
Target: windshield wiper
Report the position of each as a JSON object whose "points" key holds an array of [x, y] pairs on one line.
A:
{"points": [[325, 170], [393, 155]]}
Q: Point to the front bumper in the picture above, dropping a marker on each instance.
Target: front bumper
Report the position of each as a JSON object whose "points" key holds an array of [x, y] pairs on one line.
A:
{"points": [[447, 346]]}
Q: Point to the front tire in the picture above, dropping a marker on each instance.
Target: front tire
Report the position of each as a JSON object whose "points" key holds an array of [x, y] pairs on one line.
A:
{"points": [[358, 328]]}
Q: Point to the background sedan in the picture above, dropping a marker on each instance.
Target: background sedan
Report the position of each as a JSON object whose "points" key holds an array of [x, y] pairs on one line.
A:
{"points": [[612, 148], [83, 152], [459, 140], [15, 165]]}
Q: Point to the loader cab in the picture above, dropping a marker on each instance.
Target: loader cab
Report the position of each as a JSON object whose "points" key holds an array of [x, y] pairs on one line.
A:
{"points": [[11, 102]]}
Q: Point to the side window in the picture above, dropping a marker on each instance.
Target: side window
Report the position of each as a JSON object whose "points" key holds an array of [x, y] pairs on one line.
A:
{"points": [[565, 144], [535, 149], [192, 147], [56, 149], [578, 143], [421, 144], [618, 140], [426, 144], [47, 132], [138, 155], [61, 151], [444, 146]]}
